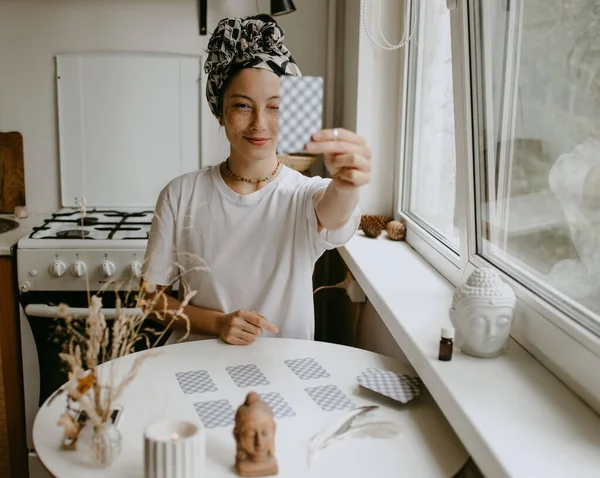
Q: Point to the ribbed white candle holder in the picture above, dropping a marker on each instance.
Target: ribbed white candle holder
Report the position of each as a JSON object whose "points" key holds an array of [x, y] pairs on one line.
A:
{"points": [[174, 449]]}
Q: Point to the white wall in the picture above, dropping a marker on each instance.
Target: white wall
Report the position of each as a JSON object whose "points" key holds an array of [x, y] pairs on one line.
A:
{"points": [[372, 97], [32, 32]]}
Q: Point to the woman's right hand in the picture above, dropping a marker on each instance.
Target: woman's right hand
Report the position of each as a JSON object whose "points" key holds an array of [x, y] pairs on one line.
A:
{"points": [[242, 327]]}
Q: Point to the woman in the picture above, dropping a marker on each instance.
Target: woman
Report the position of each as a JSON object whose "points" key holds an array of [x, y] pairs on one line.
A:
{"points": [[246, 233]]}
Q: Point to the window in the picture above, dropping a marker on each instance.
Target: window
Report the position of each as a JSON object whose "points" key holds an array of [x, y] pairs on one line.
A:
{"points": [[513, 86], [540, 161], [431, 181]]}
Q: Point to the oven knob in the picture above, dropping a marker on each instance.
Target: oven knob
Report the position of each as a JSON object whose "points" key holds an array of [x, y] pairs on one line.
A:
{"points": [[24, 286], [108, 268], [57, 268], [136, 269], [78, 268]]}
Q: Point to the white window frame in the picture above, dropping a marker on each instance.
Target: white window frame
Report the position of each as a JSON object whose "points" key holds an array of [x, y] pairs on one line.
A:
{"points": [[424, 240], [563, 346]]}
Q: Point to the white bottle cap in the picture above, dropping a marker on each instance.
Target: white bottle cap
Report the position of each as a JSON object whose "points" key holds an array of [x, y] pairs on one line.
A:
{"points": [[448, 332]]}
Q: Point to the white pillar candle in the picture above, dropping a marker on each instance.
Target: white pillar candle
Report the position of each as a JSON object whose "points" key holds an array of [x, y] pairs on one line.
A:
{"points": [[174, 449]]}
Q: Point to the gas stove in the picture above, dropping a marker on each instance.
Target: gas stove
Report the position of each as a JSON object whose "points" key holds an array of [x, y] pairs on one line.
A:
{"points": [[97, 224], [128, 123], [69, 248]]}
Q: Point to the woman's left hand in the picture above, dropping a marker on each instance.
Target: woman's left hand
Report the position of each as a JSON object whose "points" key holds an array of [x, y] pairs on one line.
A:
{"points": [[347, 157]]}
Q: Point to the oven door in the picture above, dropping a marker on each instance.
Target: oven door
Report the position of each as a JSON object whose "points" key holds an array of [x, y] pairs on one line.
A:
{"points": [[31, 386], [31, 375], [43, 338], [53, 312]]}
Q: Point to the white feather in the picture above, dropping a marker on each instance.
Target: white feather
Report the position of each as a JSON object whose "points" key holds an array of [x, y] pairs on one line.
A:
{"points": [[336, 428], [351, 425], [369, 429], [340, 425]]}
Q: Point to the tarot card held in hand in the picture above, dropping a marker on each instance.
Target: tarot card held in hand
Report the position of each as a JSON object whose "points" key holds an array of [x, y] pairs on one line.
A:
{"points": [[196, 381], [300, 112], [306, 368], [247, 375], [329, 397]]}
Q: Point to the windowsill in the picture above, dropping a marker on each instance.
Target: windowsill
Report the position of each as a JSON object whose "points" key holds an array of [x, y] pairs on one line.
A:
{"points": [[514, 417]]}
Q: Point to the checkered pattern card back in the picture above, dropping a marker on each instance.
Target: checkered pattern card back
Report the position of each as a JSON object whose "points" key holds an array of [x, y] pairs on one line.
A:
{"points": [[306, 368], [247, 375], [329, 397], [196, 381], [280, 407], [300, 111], [216, 413], [402, 388]]}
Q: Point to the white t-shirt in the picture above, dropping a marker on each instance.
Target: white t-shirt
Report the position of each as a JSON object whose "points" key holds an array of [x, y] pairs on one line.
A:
{"points": [[254, 251]]}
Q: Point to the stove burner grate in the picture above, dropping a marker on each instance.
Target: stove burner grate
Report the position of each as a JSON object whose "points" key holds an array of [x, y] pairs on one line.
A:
{"points": [[88, 221], [99, 224], [73, 234]]}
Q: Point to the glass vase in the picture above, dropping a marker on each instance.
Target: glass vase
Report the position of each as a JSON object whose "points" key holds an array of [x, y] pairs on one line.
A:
{"points": [[99, 445]]}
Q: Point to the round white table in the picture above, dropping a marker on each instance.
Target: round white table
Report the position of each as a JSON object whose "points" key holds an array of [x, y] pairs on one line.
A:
{"points": [[425, 447]]}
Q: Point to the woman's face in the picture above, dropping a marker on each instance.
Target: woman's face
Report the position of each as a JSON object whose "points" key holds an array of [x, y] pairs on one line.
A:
{"points": [[250, 113]]}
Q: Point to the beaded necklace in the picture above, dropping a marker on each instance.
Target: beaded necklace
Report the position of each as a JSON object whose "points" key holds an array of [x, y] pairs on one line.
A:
{"points": [[239, 178]]}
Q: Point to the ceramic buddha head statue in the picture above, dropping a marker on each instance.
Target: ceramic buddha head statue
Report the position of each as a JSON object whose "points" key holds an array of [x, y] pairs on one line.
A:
{"points": [[482, 313], [254, 434]]}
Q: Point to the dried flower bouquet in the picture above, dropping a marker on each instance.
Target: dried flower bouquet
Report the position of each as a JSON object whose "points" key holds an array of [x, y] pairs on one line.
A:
{"points": [[92, 341]]}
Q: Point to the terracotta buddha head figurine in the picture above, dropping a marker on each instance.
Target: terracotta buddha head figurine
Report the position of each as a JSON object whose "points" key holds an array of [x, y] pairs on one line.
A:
{"points": [[254, 433], [482, 313]]}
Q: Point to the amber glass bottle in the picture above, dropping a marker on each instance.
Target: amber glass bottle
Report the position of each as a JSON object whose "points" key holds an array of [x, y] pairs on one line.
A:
{"points": [[446, 344]]}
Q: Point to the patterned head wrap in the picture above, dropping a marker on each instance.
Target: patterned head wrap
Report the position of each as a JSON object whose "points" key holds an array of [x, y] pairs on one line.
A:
{"points": [[238, 43]]}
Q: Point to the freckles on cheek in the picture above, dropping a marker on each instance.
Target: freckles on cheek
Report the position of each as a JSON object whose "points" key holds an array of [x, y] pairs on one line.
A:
{"points": [[234, 121]]}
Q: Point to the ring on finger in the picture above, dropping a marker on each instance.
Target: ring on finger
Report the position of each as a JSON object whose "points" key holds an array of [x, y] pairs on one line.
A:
{"points": [[247, 325], [244, 335], [336, 134]]}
